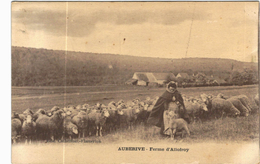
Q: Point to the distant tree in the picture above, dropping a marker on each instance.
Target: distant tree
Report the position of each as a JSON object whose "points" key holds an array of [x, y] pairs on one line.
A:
{"points": [[42, 67], [210, 72], [248, 76], [201, 78], [180, 80], [189, 72], [191, 79], [236, 78]]}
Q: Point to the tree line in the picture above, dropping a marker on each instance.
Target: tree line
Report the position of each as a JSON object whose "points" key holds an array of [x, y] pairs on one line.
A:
{"points": [[41, 67]]}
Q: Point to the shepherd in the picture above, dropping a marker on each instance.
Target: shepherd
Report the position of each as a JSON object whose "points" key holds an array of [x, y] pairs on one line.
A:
{"points": [[170, 95]]}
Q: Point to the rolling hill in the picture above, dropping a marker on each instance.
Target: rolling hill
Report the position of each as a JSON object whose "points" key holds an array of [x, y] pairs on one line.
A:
{"points": [[43, 67]]}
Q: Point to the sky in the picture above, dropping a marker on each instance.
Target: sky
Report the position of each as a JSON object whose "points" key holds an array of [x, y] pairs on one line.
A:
{"points": [[148, 29]]}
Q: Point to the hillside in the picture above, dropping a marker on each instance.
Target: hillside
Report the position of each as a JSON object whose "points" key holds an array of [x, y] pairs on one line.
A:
{"points": [[42, 67]]}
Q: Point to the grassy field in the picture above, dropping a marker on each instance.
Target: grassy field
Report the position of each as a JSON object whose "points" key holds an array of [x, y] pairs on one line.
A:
{"points": [[225, 129], [222, 130], [50, 90], [47, 97]]}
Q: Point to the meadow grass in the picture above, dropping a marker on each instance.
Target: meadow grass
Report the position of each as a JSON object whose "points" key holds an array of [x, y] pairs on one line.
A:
{"points": [[223, 129], [219, 130]]}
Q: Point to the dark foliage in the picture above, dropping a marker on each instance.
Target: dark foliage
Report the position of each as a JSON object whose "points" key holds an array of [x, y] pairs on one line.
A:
{"points": [[41, 67]]}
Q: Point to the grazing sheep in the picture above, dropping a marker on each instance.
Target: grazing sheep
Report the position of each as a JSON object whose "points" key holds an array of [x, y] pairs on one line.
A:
{"points": [[256, 98], [146, 111], [28, 128], [78, 107], [97, 106], [15, 115], [48, 127], [112, 104], [39, 112], [178, 110], [218, 106], [71, 107], [28, 111], [55, 108], [149, 101], [176, 125], [245, 101], [121, 106], [129, 117], [143, 114], [22, 117], [237, 103], [97, 120], [112, 122], [85, 107], [221, 106], [73, 112], [16, 129], [81, 120], [70, 129], [49, 113], [195, 109], [171, 113], [120, 102], [220, 95], [130, 103]]}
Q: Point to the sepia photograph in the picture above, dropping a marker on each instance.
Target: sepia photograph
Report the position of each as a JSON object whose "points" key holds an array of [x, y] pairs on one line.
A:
{"points": [[134, 82]]}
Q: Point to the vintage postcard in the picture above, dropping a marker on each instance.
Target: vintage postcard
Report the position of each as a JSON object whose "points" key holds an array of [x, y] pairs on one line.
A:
{"points": [[135, 82]]}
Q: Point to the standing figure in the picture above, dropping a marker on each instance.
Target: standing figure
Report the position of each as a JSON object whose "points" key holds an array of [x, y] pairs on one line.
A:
{"points": [[170, 95]]}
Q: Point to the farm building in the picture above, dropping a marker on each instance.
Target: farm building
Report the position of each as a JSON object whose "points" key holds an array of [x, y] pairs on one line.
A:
{"points": [[151, 79], [131, 81], [219, 81], [163, 78], [182, 75]]}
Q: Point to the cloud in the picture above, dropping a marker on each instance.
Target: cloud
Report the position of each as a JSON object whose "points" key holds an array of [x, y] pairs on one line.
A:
{"points": [[154, 29], [50, 21], [82, 23]]}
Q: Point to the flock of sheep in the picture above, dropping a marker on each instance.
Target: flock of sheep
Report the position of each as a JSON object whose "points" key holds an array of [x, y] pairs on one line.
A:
{"points": [[85, 120], [81, 120], [206, 107], [220, 105]]}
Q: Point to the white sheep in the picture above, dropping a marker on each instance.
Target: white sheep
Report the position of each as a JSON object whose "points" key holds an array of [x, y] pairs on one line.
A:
{"points": [[81, 120], [28, 111], [55, 108], [176, 125], [78, 107], [97, 120], [16, 129], [48, 127], [28, 128], [70, 129], [129, 116], [39, 112], [218, 106], [195, 109]]}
